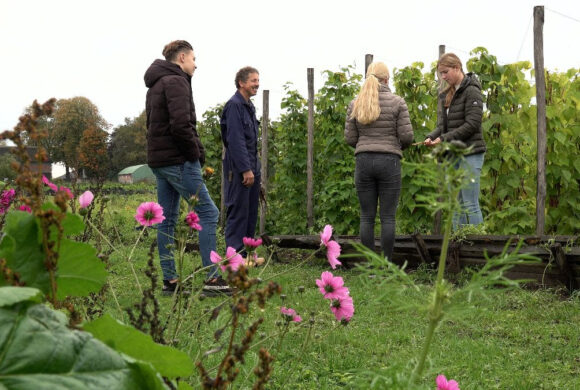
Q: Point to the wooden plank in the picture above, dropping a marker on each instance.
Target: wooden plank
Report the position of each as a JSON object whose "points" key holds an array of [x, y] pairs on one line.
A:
{"points": [[567, 272], [421, 248]]}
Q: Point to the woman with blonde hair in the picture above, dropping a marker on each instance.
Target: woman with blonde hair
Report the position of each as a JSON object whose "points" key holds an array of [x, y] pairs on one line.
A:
{"points": [[460, 119], [378, 127]]}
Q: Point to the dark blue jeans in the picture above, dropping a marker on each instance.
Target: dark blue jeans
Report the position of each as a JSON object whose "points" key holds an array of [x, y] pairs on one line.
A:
{"points": [[378, 180], [177, 181]]}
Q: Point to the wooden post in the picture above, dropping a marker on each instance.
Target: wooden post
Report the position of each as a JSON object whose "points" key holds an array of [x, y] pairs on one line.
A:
{"points": [[264, 157], [437, 219], [222, 220], [368, 61], [310, 151], [541, 105]]}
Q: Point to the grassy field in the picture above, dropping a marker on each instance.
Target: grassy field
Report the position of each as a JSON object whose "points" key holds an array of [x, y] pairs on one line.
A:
{"points": [[501, 339]]}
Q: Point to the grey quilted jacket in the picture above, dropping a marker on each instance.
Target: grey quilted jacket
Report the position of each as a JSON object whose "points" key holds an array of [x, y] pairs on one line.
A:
{"points": [[463, 120], [390, 133]]}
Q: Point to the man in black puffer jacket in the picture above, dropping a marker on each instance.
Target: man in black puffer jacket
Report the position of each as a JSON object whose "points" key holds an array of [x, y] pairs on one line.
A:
{"points": [[175, 154]]}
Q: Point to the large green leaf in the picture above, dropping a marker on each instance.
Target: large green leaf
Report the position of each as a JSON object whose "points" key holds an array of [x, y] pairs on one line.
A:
{"points": [[170, 362], [10, 295], [38, 351], [71, 223], [23, 253], [80, 272]]}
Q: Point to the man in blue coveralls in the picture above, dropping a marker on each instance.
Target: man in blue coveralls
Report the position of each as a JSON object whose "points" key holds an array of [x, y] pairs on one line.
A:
{"points": [[241, 165]]}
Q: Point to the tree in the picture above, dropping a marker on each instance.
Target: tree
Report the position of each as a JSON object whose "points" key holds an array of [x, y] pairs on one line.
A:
{"points": [[72, 118], [6, 170], [92, 152], [128, 145]]}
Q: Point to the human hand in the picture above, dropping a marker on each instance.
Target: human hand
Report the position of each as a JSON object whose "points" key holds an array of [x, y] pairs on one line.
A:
{"points": [[429, 142], [248, 178]]}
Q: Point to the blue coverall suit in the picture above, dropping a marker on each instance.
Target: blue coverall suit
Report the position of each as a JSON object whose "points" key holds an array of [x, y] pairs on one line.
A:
{"points": [[239, 127]]}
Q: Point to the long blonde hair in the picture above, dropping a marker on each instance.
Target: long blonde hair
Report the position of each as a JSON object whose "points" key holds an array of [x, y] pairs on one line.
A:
{"points": [[449, 60], [366, 107]]}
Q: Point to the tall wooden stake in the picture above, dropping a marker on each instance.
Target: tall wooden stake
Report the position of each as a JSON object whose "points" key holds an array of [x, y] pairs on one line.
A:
{"points": [[541, 105], [437, 218], [222, 220], [310, 151], [264, 157], [368, 61]]}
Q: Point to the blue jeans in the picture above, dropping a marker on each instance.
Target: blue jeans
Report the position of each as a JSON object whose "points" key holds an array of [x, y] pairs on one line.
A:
{"points": [[469, 195], [377, 178], [184, 180]]}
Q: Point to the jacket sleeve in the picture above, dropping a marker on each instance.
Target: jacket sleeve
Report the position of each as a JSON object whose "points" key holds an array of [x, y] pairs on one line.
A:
{"points": [[350, 129], [180, 122], [473, 113], [404, 127], [235, 139]]}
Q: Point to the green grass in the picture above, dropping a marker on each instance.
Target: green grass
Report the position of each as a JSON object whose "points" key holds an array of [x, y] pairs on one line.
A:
{"points": [[505, 339]]}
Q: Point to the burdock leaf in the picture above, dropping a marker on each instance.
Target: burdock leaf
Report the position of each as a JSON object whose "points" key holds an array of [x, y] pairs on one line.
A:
{"points": [[21, 248], [80, 271], [38, 351], [170, 362]]}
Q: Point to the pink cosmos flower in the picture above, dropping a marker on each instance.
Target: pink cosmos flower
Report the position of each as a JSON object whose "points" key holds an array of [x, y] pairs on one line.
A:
{"points": [[55, 188], [332, 247], [85, 199], [149, 213], [50, 184], [290, 314], [6, 199], [326, 235], [25, 207], [67, 191], [332, 287], [342, 308], [443, 384], [192, 220], [232, 261], [332, 253], [251, 243]]}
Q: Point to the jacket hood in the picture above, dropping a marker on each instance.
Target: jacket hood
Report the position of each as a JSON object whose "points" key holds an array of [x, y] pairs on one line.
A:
{"points": [[161, 68], [470, 79]]}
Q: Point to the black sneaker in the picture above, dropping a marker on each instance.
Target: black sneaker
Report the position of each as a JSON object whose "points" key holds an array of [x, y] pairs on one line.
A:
{"points": [[215, 287], [169, 288]]}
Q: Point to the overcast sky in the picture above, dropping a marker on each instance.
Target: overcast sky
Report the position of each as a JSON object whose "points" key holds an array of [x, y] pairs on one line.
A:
{"points": [[101, 49]]}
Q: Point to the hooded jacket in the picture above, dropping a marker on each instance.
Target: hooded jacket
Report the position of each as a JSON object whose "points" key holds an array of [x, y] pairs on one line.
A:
{"points": [[172, 138], [463, 119], [390, 133]]}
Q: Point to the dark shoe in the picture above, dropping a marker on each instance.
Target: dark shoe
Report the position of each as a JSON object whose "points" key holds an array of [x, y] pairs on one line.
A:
{"points": [[215, 287], [169, 288]]}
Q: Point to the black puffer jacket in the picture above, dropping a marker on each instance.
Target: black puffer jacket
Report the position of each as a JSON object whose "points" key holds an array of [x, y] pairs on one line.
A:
{"points": [[171, 122], [463, 120]]}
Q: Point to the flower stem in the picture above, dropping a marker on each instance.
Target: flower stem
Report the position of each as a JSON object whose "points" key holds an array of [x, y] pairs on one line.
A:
{"points": [[436, 312], [131, 263]]}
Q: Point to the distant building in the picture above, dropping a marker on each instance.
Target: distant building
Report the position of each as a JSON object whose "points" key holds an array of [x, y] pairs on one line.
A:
{"points": [[45, 166], [136, 174]]}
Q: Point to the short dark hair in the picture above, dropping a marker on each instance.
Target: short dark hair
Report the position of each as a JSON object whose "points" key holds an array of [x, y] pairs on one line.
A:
{"points": [[172, 49], [243, 75]]}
